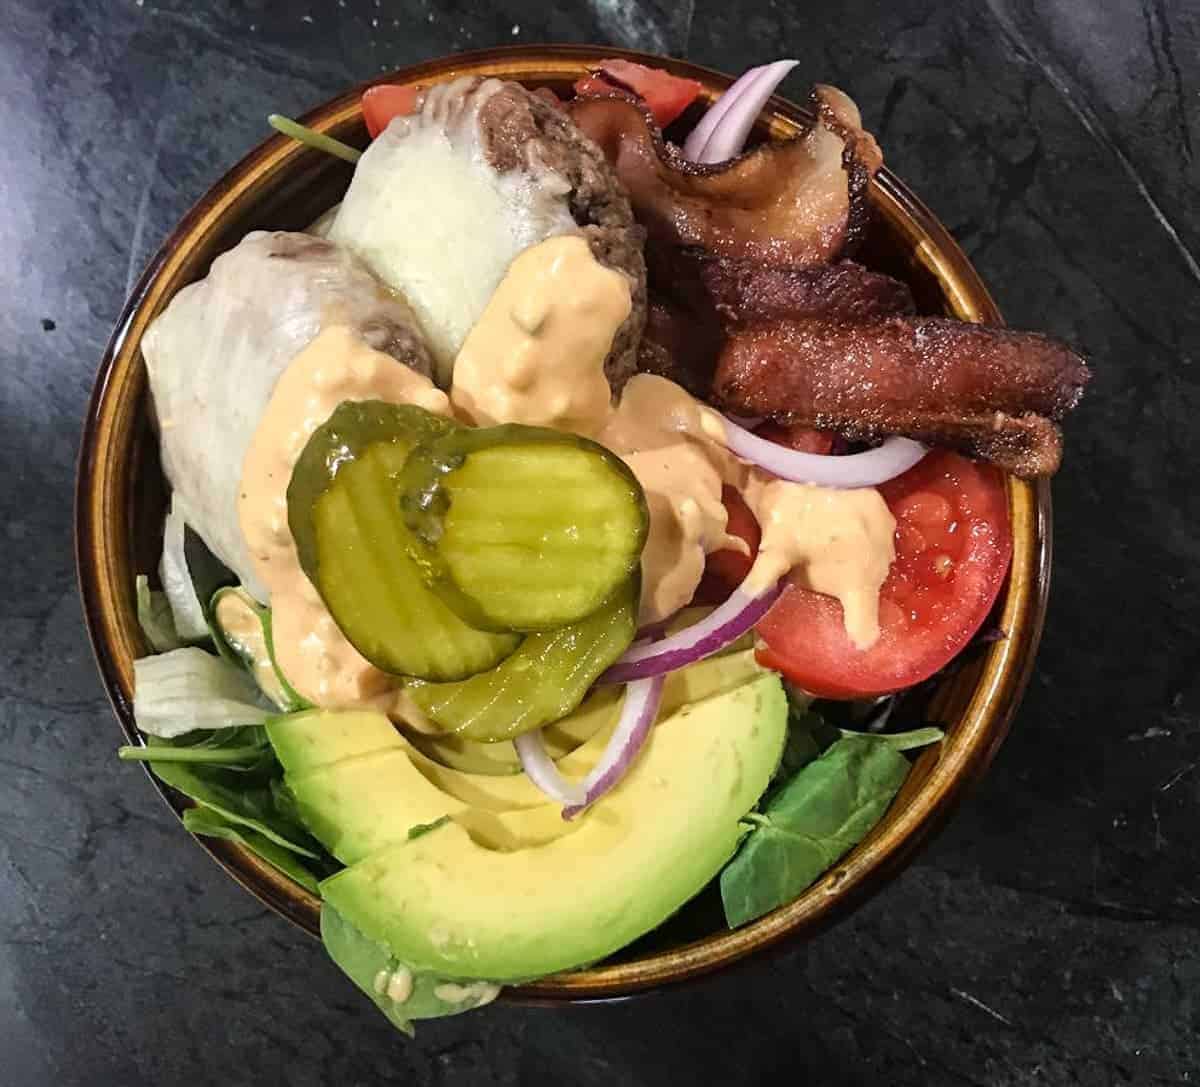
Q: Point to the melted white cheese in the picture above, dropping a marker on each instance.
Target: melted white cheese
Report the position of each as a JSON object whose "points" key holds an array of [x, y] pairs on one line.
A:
{"points": [[436, 222]]}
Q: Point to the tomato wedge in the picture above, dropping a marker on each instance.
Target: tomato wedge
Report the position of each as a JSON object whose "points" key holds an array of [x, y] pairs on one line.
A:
{"points": [[724, 571], [666, 95], [953, 547], [382, 103]]}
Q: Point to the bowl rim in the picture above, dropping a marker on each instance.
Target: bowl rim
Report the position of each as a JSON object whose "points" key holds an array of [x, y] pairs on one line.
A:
{"points": [[1006, 668]]}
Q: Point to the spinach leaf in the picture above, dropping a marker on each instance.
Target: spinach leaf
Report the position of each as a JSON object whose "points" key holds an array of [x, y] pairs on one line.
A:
{"points": [[240, 793], [212, 824], [808, 735], [810, 823], [243, 747], [285, 800], [400, 993]]}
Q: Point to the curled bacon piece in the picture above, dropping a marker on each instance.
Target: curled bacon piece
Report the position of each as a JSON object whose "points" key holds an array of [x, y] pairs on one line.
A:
{"points": [[747, 305], [746, 291], [797, 201], [989, 392]]}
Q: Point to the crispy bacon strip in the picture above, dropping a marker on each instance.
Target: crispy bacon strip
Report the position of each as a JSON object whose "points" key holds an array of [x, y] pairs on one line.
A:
{"points": [[989, 392], [743, 291], [798, 201], [746, 291], [681, 345], [692, 297]]}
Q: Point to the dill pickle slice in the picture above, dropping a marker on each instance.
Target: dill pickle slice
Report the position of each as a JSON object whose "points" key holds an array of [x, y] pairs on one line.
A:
{"points": [[544, 680], [523, 528], [344, 513]]}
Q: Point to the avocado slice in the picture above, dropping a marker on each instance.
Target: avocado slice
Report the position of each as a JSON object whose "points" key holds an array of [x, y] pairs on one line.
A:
{"points": [[446, 904], [359, 805], [314, 738]]}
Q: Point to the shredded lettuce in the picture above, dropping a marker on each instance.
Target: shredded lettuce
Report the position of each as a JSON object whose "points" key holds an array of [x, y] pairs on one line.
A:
{"points": [[188, 689], [186, 609], [154, 616]]}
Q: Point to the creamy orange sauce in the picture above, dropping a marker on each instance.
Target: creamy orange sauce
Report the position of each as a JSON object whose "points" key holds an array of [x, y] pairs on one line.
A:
{"points": [[656, 428], [310, 649], [536, 355], [837, 542], [654, 412], [687, 522]]}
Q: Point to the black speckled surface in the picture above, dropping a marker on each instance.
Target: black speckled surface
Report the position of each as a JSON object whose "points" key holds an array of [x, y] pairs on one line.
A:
{"points": [[1048, 936]]}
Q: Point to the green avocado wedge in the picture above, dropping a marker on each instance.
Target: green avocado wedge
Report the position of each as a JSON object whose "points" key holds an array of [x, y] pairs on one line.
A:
{"points": [[443, 903], [315, 738], [695, 683], [310, 743], [360, 805]]}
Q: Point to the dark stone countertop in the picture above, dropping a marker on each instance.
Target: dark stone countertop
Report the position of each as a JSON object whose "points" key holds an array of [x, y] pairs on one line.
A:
{"points": [[1047, 937]]}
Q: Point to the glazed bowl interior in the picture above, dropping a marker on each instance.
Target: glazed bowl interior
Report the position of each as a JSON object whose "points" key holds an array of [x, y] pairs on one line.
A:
{"points": [[284, 186]]}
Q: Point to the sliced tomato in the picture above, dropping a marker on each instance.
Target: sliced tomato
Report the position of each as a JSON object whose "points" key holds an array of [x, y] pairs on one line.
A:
{"points": [[381, 104], [666, 95], [724, 571], [953, 547], [801, 438], [594, 84]]}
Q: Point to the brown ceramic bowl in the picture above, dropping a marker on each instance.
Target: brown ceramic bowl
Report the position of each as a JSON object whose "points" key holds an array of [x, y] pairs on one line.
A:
{"points": [[120, 504]]}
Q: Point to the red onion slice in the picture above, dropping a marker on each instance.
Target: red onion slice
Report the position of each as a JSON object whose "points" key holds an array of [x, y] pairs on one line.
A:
{"points": [[716, 630], [642, 699], [894, 457], [638, 712], [540, 769], [693, 146], [729, 135]]}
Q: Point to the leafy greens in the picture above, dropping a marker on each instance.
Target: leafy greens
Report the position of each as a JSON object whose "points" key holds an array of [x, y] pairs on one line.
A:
{"points": [[186, 610], [236, 782], [205, 821], [401, 994], [188, 689], [154, 616], [830, 802]]}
